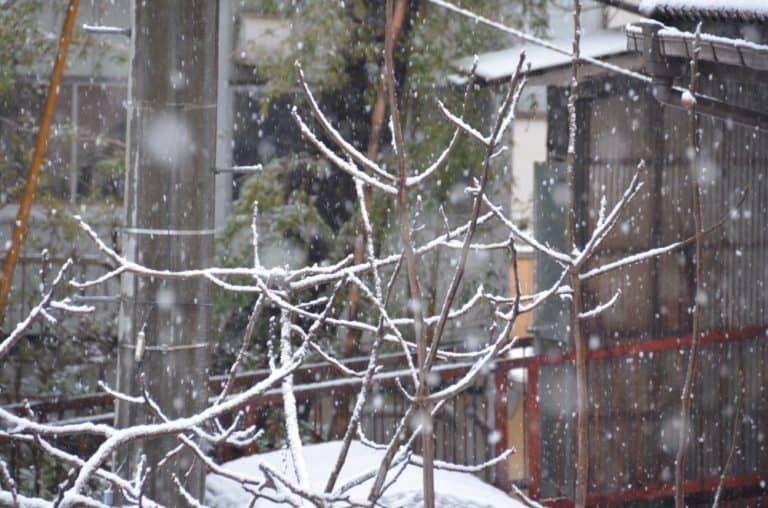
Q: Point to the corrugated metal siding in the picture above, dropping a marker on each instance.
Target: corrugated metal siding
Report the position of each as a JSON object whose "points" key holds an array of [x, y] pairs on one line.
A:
{"points": [[551, 318], [635, 401], [634, 420], [733, 158]]}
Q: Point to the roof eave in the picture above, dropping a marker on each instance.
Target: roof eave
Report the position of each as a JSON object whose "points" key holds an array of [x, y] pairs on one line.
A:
{"points": [[691, 13]]}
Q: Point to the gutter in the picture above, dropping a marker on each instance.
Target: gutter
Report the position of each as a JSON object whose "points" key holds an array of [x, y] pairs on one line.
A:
{"points": [[667, 50]]}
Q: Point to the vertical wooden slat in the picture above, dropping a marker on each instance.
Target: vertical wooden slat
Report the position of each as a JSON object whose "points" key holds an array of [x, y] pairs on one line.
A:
{"points": [[534, 436], [500, 424]]}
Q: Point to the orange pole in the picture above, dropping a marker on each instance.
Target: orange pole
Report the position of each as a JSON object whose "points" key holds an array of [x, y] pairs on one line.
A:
{"points": [[25, 207]]}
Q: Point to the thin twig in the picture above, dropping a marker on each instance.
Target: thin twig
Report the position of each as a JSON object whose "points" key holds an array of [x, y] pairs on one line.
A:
{"points": [[691, 371], [737, 417]]}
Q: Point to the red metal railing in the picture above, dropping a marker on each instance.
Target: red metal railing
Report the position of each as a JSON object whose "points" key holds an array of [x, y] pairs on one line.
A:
{"points": [[311, 385], [533, 367], [314, 384]]}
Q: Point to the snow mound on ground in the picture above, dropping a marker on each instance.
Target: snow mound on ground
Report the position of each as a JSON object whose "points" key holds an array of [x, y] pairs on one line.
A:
{"points": [[454, 490]]}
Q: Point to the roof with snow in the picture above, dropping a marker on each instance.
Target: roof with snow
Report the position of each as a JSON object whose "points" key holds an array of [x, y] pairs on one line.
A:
{"points": [[500, 65], [755, 11], [680, 44]]}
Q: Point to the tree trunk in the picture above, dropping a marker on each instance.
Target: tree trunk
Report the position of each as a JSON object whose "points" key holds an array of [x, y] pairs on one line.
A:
{"points": [[577, 335]]}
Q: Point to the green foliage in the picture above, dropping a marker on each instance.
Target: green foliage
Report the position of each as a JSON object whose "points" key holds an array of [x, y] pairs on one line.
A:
{"points": [[49, 360], [328, 37], [27, 54], [22, 42], [332, 38], [340, 44], [292, 232], [289, 220], [39, 473]]}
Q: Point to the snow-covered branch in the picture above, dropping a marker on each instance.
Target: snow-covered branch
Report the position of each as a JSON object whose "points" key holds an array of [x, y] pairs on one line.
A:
{"points": [[292, 299], [18, 332]]}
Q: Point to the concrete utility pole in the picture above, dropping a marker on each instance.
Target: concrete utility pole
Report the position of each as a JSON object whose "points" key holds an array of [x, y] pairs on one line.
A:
{"points": [[169, 224]]}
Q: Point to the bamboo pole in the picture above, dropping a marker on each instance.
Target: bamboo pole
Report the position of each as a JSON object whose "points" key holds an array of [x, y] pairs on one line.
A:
{"points": [[49, 111]]}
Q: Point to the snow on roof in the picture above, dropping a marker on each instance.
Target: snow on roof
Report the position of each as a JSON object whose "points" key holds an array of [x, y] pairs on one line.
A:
{"points": [[501, 64], [726, 50], [670, 31], [749, 10], [453, 490]]}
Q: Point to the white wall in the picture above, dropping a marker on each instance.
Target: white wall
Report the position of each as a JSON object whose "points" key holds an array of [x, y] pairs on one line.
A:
{"points": [[618, 18], [529, 145], [561, 20]]}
